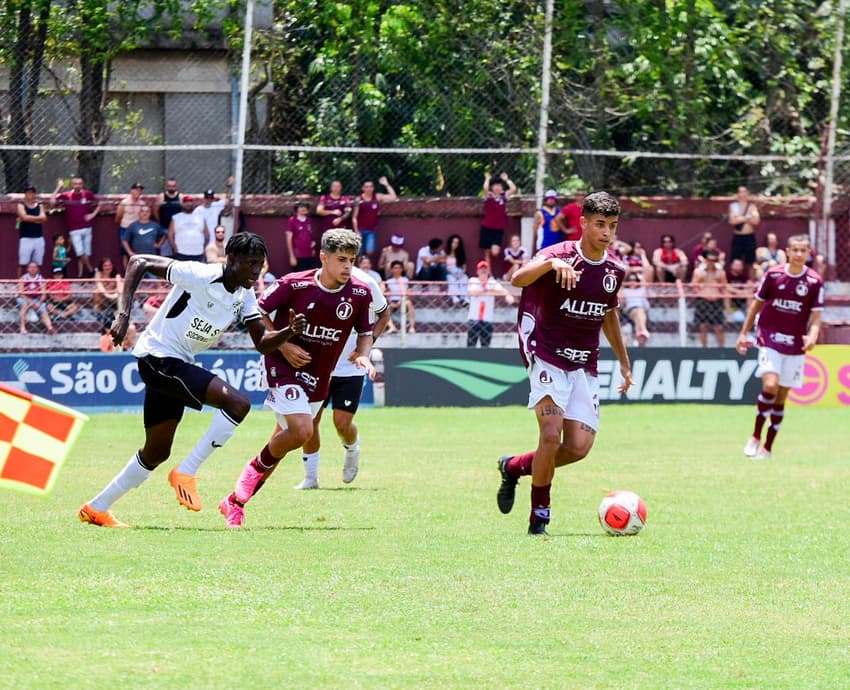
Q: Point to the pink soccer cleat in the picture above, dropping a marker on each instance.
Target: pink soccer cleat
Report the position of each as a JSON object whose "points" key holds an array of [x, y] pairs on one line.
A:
{"points": [[234, 514]]}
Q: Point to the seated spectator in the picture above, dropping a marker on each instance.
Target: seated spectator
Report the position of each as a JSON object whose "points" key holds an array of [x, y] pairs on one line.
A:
{"points": [[364, 263], [151, 305], [60, 300], [635, 304], [32, 293], [456, 269], [817, 263], [214, 251], [395, 251], [483, 289], [696, 255], [397, 296], [711, 246], [516, 256], [769, 255], [670, 262], [107, 291], [634, 256], [431, 261], [739, 288], [713, 301]]}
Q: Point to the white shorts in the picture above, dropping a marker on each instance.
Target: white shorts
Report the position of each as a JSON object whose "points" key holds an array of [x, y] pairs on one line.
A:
{"points": [[81, 241], [290, 399], [30, 249], [575, 392], [789, 367]]}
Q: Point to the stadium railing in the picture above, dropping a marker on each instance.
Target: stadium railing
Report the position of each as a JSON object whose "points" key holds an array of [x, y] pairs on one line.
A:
{"points": [[441, 317]]}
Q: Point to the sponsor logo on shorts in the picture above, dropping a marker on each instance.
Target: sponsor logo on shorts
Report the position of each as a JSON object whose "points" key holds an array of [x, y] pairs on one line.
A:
{"points": [[545, 377], [291, 392]]}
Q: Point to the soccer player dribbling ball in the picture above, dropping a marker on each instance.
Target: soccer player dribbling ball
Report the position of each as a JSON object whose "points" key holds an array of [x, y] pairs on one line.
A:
{"points": [[569, 294], [334, 303], [788, 304], [204, 301]]}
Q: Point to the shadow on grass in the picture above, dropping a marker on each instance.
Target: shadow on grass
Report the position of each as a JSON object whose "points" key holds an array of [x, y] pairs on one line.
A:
{"points": [[275, 528]]}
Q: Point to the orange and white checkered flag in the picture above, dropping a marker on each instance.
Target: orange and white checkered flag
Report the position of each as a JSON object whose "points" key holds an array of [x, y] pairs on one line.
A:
{"points": [[36, 436]]}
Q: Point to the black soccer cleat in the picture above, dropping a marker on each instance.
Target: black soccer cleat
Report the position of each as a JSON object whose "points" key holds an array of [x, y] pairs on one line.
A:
{"points": [[537, 528], [507, 490]]}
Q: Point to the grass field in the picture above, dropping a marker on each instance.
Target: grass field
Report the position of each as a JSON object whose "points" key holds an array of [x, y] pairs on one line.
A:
{"points": [[411, 578]]}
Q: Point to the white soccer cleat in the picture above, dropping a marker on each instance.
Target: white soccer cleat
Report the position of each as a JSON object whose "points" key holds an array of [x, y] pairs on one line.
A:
{"points": [[763, 454], [307, 484], [752, 447], [351, 466]]}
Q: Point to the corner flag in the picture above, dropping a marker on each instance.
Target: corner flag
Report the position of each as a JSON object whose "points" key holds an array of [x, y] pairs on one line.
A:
{"points": [[36, 436]]}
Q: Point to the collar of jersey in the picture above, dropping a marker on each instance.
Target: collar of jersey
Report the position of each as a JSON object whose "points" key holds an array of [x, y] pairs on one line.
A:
{"points": [[322, 287], [792, 275], [588, 261]]}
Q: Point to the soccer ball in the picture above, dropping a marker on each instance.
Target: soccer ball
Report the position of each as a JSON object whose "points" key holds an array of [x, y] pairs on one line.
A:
{"points": [[622, 513]]}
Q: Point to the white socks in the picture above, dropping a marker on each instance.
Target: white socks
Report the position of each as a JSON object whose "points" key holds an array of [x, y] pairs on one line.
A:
{"points": [[219, 432], [130, 477], [311, 465]]}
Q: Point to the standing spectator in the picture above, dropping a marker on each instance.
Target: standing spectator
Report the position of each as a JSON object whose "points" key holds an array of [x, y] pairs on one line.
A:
{"points": [[144, 235], [495, 218], [670, 262], [544, 234], [81, 207], [216, 251], [431, 261], [483, 289], [768, 256], [168, 205], [516, 256], [188, 234], [744, 217], [364, 263], [211, 208], [456, 269], [568, 222], [31, 220], [364, 218], [635, 304], [107, 291], [740, 289], [60, 299], [126, 214], [713, 300], [397, 295], [395, 251], [789, 304], [60, 254], [32, 294], [299, 239], [334, 208]]}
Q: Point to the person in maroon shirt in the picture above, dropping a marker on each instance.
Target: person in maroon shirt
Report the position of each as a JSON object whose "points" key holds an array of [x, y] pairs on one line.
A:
{"points": [[495, 214], [788, 303], [334, 304], [81, 207], [364, 218], [569, 294], [334, 208], [568, 220], [299, 239]]}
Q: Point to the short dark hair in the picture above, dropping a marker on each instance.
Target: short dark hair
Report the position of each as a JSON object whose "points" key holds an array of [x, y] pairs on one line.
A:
{"points": [[245, 244], [601, 203], [435, 243], [396, 263], [302, 204], [711, 253]]}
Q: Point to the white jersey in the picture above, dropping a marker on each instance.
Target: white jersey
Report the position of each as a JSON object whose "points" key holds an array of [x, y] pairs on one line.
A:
{"points": [[195, 313], [378, 306], [189, 234]]}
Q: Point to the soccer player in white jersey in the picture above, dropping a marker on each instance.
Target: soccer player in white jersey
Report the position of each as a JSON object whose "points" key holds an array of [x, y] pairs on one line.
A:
{"points": [[788, 304], [346, 387], [204, 302]]}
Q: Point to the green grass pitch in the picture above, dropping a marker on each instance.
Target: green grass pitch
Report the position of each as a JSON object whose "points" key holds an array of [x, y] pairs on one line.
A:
{"points": [[411, 578]]}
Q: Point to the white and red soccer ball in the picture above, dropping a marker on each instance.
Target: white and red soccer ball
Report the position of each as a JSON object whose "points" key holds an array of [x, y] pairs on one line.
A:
{"points": [[622, 513]]}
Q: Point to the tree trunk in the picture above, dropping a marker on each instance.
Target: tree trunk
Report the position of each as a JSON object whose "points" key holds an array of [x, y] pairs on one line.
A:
{"points": [[93, 129]]}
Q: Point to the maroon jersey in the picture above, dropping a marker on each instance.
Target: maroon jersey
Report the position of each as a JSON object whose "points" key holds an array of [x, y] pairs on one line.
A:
{"points": [[302, 237], [495, 211], [331, 315], [332, 204], [561, 326], [77, 207], [367, 213], [789, 301]]}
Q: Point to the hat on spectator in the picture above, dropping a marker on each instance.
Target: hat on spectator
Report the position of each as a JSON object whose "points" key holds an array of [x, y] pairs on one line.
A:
{"points": [[58, 269], [137, 185], [481, 265], [397, 240], [187, 197], [550, 194], [30, 188], [210, 193]]}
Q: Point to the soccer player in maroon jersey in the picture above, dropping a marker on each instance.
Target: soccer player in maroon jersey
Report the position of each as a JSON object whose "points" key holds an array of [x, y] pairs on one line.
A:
{"points": [[334, 303], [788, 303], [569, 294]]}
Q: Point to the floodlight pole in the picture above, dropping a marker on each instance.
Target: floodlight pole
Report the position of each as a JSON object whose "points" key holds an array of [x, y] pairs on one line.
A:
{"points": [[545, 84], [243, 111]]}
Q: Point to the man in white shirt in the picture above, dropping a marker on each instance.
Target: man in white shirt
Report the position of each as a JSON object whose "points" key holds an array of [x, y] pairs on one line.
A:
{"points": [[204, 302], [483, 289], [210, 208], [188, 234]]}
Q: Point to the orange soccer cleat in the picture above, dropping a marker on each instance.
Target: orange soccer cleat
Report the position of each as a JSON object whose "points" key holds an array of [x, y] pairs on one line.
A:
{"points": [[101, 518], [186, 489]]}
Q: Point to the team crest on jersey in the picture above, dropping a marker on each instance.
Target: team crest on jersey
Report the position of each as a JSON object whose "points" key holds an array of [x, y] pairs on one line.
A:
{"points": [[344, 310], [609, 282], [802, 289]]}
